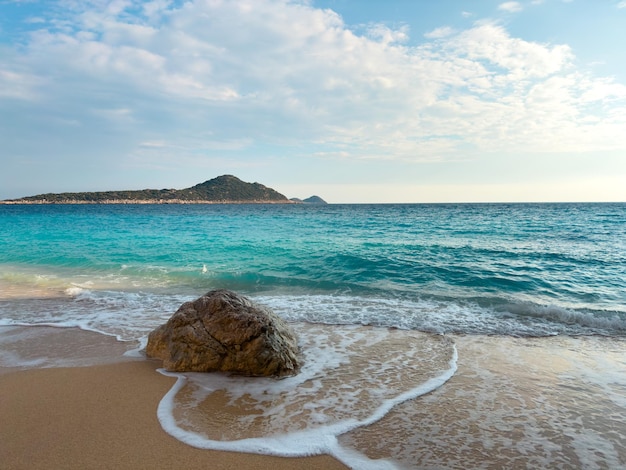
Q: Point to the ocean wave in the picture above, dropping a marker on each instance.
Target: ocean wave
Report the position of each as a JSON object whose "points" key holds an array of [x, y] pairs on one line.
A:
{"points": [[607, 322], [437, 315], [130, 314]]}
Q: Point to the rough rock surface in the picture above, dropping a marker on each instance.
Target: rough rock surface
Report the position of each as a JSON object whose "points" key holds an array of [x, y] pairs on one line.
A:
{"points": [[224, 331]]}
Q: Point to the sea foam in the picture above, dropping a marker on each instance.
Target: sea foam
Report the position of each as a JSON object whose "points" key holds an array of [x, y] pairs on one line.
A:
{"points": [[352, 377]]}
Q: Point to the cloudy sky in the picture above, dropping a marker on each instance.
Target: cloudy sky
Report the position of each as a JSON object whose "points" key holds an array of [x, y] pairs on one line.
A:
{"points": [[353, 100]]}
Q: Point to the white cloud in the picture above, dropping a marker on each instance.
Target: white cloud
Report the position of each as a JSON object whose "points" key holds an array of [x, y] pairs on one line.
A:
{"points": [[18, 85], [517, 59], [621, 4], [230, 75], [438, 33], [386, 35], [511, 7]]}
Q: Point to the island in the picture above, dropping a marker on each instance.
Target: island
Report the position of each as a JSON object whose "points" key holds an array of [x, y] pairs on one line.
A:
{"points": [[225, 189], [309, 200]]}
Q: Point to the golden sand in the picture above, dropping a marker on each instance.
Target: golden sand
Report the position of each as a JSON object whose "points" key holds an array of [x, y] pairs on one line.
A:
{"points": [[105, 417]]}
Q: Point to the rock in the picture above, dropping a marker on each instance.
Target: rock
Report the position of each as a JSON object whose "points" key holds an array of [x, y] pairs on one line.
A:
{"points": [[224, 331]]}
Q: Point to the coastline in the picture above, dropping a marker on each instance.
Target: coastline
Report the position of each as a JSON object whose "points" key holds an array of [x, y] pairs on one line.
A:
{"points": [[534, 384], [538, 402], [138, 201], [105, 417]]}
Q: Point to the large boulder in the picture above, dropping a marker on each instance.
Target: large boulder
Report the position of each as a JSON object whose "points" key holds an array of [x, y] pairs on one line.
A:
{"points": [[224, 331]]}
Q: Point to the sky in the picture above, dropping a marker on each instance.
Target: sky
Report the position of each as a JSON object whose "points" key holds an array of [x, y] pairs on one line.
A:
{"points": [[355, 101]]}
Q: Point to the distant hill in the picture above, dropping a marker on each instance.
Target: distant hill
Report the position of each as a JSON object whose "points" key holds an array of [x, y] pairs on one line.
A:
{"points": [[223, 189], [309, 200], [314, 200]]}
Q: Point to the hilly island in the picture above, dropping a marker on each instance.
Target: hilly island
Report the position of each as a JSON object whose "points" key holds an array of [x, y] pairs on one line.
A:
{"points": [[225, 189]]}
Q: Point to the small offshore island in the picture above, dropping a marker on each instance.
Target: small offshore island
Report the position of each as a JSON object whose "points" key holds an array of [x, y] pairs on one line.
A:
{"points": [[225, 189]]}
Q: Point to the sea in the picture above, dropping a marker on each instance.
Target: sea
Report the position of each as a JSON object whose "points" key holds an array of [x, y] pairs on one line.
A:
{"points": [[432, 335]]}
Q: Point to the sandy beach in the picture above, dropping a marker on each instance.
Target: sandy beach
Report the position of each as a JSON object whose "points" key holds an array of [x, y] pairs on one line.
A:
{"points": [[105, 417], [530, 403]]}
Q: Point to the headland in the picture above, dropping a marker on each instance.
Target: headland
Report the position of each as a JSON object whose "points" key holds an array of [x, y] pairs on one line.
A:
{"points": [[225, 189]]}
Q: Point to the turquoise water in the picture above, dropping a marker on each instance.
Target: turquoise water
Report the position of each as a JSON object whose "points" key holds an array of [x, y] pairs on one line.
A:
{"points": [[527, 303], [513, 269]]}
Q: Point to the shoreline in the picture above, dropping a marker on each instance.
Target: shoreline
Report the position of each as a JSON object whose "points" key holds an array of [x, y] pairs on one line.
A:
{"points": [[536, 402], [104, 416], [40, 202]]}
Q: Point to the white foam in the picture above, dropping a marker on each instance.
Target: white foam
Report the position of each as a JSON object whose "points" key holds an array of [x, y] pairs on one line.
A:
{"points": [[560, 315], [74, 290], [439, 316], [131, 314], [342, 386], [516, 402]]}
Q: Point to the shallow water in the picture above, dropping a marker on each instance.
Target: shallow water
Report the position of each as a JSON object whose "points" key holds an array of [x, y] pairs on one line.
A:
{"points": [[351, 376], [27, 347], [513, 403]]}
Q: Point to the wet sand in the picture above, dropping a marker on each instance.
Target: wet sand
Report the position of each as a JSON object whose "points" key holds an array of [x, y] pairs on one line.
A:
{"points": [[513, 403], [105, 417], [555, 402]]}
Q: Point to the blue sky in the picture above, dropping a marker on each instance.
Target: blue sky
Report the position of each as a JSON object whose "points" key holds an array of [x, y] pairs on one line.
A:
{"points": [[356, 101]]}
